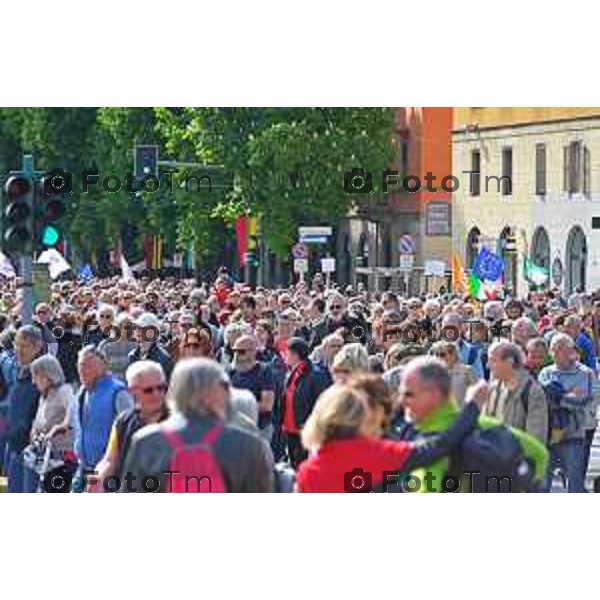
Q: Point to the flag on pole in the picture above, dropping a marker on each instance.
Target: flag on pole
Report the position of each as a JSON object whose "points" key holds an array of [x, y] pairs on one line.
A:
{"points": [[459, 281], [85, 273], [474, 284], [535, 274], [55, 261], [126, 272], [6, 268]]}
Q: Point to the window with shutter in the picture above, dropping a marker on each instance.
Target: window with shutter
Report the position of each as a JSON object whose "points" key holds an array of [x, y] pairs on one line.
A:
{"points": [[566, 168], [575, 168], [540, 169], [507, 171], [587, 173]]}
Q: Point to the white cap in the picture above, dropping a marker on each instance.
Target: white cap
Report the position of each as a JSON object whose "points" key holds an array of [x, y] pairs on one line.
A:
{"points": [[147, 319]]}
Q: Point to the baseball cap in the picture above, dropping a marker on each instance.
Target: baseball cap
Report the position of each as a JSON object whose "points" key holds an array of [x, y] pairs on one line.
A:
{"points": [[147, 319]]}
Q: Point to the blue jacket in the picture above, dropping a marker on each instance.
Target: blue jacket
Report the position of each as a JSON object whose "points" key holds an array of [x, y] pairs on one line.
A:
{"points": [[96, 413], [586, 349], [558, 385], [470, 355], [23, 400]]}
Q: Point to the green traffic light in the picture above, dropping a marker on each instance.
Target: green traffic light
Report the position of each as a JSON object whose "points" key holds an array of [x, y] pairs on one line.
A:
{"points": [[50, 236]]}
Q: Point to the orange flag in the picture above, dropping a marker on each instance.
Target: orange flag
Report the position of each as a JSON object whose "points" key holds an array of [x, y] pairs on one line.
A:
{"points": [[459, 281]]}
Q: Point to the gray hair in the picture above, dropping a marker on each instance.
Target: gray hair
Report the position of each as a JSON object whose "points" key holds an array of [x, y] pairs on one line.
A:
{"points": [[452, 319], [527, 325], [244, 402], [108, 308], [561, 339], [30, 334], [433, 372], [235, 330], [49, 367], [91, 350], [190, 380], [142, 367], [508, 351], [537, 343], [573, 321]]}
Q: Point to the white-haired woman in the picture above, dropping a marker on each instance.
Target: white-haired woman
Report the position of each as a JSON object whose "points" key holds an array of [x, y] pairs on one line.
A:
{"points": [[56, 397], [52, 420]]}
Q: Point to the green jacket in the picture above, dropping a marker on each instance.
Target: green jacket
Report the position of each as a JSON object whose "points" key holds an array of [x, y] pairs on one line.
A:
{"points": [[441, 418]]}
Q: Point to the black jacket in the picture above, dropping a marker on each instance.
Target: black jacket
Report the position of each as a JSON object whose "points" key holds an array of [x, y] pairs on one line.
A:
{"points": [[157, 354], [309, 387], [355, 330]]}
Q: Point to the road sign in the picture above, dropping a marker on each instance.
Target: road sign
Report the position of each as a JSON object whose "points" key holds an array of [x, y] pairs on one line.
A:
{"points": [[320, 231], [328, 265], [406, 244], [407, 261], [313, 239], [299, 251], [300, 265]]}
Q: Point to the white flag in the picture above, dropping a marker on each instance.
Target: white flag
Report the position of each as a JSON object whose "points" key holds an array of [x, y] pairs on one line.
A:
{"points": [[6, 268], [56, 262], [126, 272]]}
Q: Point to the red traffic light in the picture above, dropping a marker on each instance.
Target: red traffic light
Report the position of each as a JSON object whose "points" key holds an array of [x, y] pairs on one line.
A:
{"points": [[54, 209], [16, 187]]}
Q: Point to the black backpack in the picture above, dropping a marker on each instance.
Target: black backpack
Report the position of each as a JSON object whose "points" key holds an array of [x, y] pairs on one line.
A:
{"points": [[491, 460]]}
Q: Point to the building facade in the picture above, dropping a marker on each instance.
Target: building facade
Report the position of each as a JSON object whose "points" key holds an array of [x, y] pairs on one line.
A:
{"points": [[532, 175], [368, 240]]}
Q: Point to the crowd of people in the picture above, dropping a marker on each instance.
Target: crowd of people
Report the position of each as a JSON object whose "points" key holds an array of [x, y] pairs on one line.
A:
{"points": [[165, 384]]}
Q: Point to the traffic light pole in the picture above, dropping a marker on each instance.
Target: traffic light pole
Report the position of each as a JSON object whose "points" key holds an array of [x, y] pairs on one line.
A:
{"points": [[27, 258], [27, 301]]}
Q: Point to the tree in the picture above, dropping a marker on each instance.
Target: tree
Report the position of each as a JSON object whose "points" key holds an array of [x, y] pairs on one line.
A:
{"points": [[288, 163]]}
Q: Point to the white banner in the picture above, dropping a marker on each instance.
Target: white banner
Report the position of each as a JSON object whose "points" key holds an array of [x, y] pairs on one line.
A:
{"points": [[435, 267], [56, 262]]}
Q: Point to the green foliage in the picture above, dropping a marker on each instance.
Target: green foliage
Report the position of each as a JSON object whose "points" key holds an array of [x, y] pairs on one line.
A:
{"points": [[287, 165]]}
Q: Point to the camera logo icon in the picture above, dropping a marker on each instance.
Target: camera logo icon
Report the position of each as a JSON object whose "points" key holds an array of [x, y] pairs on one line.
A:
{"points": [[58, 481], [357, 481], [58, 181], [358, 181]]}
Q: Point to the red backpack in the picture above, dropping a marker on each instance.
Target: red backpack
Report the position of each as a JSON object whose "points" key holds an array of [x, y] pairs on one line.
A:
{"points": [[199, 471]]}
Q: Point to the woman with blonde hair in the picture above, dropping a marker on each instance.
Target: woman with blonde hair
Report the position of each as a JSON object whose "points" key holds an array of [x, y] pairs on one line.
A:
{"points": [[344, 434], [351, 359]]}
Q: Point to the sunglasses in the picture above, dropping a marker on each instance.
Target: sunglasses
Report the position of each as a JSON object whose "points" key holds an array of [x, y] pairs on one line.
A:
{"points": [[336, 307], [105, 316], [241, 350], [155, 388]]}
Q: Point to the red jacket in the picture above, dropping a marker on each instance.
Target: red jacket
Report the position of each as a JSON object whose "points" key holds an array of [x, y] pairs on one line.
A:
{"points": [[330, 470], [325, 471]]}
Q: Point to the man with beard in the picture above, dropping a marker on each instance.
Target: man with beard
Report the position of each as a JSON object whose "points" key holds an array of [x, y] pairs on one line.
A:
{"points": [[337, 317], [248, 374]]}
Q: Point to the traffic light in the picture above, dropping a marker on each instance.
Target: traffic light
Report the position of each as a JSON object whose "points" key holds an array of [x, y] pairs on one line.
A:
{"points": [[51, 206], [145, 162], [18, 212]]}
